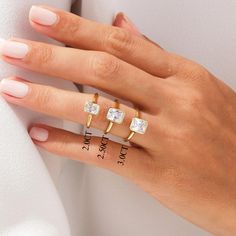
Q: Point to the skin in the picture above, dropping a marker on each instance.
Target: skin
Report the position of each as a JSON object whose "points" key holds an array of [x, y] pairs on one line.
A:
{"points": [[187, 158]]}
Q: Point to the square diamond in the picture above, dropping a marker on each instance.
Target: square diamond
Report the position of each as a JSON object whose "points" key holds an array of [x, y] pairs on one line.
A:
{"points": [[115, 115], [138, 125], [91, 108]]}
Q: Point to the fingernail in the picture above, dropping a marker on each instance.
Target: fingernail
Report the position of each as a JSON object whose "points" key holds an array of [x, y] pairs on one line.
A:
{"points": [[2, 41], [38, 134], [123, 21], [13, 49], [1, 44], [14, 88], [42, 16]]}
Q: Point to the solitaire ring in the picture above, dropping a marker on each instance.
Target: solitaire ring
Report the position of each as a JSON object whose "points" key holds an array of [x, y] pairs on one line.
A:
{"points": [[114, 115], [92, 108], [137, 125]]}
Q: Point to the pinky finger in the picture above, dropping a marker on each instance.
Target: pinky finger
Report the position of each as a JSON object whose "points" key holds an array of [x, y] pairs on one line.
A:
{"points": [[99, 151], [124, 22]]}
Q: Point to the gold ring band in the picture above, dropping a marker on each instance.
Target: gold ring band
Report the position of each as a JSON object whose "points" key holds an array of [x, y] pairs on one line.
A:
{"points": [[92, 108]]}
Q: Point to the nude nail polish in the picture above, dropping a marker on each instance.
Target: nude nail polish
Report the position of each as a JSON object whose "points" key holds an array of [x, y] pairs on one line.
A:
{"points": [[38, 134], [1, 44], [14, 88], [43, 16], [13, 49], [2, 40]]}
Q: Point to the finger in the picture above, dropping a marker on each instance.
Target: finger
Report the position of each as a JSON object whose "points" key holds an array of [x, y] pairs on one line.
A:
{"points": [[124, 22], [97, 69], [68, 105], [124, 160], [85, 34]]}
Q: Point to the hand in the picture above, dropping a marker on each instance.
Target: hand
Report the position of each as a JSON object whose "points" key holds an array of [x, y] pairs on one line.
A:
{"points": [[187, 157]]}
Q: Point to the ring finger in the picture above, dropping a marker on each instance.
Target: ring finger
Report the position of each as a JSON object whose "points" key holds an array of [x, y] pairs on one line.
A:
{"points": [[67, 105]]}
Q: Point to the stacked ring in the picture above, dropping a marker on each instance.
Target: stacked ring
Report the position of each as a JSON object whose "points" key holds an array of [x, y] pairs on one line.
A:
{"points": [[137, 125], [114, 115], [92, 108]]}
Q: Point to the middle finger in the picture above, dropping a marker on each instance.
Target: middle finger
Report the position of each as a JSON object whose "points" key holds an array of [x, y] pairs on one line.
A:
{"points": [[97, 69]]}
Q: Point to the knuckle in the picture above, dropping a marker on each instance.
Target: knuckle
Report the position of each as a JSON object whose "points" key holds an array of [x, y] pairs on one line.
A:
{"points": [[44, 99], [104, 65], [193, 71], [189, 110], [119, 41], [182, 135], [188, 100], [70, 26], [194, 97], [197, 72], [41, 54]]}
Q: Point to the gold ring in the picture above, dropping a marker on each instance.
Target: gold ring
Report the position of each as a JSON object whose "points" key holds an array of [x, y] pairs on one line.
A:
{"points": [[137, 125], [114, 115], [92, 108]]}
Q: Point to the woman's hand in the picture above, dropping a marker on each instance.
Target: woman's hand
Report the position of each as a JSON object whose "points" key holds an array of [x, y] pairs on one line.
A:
{"points": [[187, 157]]}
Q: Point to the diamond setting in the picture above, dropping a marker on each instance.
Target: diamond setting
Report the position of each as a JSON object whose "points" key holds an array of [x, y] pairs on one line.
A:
{"points": [[138, 125], [115, 115], [92, 108]]}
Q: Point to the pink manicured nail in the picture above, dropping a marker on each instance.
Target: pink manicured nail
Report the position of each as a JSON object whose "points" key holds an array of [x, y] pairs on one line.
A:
{"points": [[42, 16], [38, 134], [14, 88], [2, 41], [13, 49]]}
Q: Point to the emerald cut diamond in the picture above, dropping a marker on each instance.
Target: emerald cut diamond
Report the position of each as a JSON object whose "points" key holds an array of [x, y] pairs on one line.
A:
{"points": [[138, 125], [92, 108], [115, 115]]}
